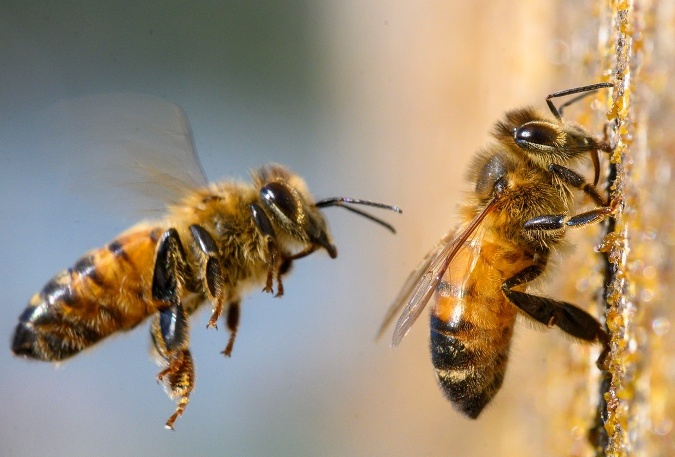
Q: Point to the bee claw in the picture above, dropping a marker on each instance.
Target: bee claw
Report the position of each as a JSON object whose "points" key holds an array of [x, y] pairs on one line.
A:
{"points": [[211, 324]]}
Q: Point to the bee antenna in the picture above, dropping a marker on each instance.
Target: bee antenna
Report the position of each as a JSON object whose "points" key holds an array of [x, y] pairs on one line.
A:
{"points": [[344, 201], [584, 90]]}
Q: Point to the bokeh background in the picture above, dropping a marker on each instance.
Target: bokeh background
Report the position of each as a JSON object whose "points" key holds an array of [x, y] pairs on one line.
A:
{"points": [[384, 100]]}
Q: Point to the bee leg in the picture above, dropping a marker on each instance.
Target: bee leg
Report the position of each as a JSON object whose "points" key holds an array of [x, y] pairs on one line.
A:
{"points": [[284, 268], [170, 338], [170, 330], [284, 265], [552, 222], [265, 226], [574, 179], [272, 268], [212, 274], [566, 316], [232, 325], [304, 253]]}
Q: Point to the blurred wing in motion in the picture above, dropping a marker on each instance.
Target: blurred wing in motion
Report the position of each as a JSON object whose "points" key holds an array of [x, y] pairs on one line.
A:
{"points": [[111, 144], [422, 282]]}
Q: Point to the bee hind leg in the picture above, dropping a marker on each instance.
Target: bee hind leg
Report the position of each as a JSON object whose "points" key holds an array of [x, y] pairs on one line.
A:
{"points": [[170, 329], [568, 317], [170, 338]]}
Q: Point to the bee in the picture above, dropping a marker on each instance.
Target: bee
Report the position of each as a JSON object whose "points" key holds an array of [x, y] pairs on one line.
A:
{"points": [[517, 216], [213, 245]]}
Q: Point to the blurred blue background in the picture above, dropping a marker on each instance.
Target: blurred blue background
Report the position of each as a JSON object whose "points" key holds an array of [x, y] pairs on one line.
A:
{"points": [[378, 100]]}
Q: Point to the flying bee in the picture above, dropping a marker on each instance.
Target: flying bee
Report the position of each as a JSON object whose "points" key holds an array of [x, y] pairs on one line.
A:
{"points": [[518, 214], [214, 244]]}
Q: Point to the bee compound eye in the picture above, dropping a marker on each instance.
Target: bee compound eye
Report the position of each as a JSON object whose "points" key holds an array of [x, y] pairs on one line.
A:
{"points": [[279, 197], [535, 134]]}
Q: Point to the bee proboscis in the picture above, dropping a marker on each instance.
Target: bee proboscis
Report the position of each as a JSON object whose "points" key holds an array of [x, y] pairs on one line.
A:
{"points": [[478, 274], [214, 244]]}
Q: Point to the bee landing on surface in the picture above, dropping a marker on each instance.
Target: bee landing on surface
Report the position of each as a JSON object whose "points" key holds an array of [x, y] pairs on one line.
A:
{"points": [[215, 243], [518, 214]]}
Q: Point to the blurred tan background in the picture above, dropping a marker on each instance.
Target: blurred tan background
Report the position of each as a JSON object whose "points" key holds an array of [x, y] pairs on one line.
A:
{"points": [[385, 100]]}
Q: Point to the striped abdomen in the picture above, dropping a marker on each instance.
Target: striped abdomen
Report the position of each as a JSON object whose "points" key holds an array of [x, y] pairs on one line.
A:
{"points": [[471, 326], [105, 291]]}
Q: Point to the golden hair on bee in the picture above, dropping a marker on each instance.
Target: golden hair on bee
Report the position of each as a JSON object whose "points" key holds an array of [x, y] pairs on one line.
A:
{"points": [[215, 243], [515, 217]]}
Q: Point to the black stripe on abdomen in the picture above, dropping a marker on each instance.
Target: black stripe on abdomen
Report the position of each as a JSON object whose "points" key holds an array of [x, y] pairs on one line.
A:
{"points": [[462, 373]]}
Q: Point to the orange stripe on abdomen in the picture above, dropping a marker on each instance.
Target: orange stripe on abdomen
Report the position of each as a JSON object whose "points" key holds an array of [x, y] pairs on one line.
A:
{"points": [[105, 291], [471, 327]]}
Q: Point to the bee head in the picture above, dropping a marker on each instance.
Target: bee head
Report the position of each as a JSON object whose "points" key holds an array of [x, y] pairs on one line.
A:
{"points": [[543, 139], [290, 208], [288, 204]]}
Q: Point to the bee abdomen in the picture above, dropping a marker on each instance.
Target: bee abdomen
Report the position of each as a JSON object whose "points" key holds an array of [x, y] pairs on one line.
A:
{"points": [[469, 377], [103, 292], [42, 327]]}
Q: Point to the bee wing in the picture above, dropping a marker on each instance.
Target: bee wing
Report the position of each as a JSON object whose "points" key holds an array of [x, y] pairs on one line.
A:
{"points": [[114, 143], [413, 279], [422, 282]]}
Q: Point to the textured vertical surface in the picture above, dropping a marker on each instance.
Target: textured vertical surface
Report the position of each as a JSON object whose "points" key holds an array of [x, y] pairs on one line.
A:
{"points": [[633, 45], [639, 245]]}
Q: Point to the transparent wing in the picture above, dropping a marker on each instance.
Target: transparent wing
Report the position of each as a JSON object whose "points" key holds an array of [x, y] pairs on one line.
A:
{"points": [[411, 282], [115, 143], [422, 282]]}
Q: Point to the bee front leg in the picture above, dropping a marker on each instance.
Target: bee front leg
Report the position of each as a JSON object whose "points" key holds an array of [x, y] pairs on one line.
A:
{"points": [[284, 266], [170, 330], [568, 317], [272, 267]]}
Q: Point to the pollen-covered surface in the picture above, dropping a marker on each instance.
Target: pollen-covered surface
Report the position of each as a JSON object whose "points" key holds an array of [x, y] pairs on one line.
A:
{"points": [[632, 411], [639, 407], [635, 399]]}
